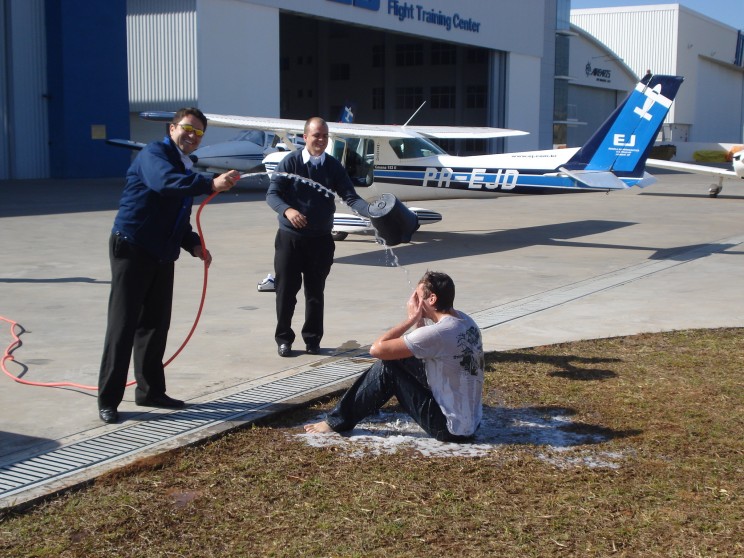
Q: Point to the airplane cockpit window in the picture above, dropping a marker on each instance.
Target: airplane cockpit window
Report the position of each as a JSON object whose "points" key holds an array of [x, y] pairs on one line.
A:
{"points": [[414, 148], [254, 136], [356, 154], [339, 147]]}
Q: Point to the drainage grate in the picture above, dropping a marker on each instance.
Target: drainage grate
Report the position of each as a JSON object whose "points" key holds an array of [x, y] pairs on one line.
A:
{"points": [[247, 405]]}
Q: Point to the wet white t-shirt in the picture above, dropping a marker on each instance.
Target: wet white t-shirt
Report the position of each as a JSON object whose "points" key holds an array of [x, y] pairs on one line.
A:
{"points": [[452, 351]]}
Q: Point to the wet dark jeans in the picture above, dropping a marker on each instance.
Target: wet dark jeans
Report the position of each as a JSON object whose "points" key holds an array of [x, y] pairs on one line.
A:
{"points": [[406, 380]]}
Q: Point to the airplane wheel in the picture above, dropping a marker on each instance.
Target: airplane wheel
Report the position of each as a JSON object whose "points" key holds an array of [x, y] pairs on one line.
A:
{"points": [[339, 235], [714, 190]]}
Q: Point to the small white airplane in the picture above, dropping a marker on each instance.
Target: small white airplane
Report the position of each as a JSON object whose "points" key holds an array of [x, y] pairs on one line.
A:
{"points": [[240, 154], [716, 187], [244, 152], [403, 161]]}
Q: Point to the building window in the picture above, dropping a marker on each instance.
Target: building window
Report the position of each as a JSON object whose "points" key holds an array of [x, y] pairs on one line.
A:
{"points": [[448, 145], [410, 54], [443, 97], [560, 100], [476, 55], [479, 146], [408, 97], [443, 54], [340, 72], [378, 98], [475, 96], [562, 49], [378, 56]]}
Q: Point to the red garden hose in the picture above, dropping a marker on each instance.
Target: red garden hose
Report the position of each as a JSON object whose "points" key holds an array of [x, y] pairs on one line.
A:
{"points": [[8, 355]]}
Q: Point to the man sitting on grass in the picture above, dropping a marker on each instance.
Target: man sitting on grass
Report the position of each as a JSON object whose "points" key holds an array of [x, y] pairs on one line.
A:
{"points": [[435, 371]]}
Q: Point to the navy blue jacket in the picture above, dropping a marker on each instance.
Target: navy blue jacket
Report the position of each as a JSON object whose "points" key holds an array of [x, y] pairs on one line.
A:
{"points": [[315, 204], [155, 207]]}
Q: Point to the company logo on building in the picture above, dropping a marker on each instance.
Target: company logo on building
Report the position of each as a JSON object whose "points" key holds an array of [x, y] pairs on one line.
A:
{"points": [[404, 11], [599, 74], [373, 5]]}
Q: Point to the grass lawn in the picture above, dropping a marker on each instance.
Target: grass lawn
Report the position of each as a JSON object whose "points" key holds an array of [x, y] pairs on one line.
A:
{"points": [[646, 459]]}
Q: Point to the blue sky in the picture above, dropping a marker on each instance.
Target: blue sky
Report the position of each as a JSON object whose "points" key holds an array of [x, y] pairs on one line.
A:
{"points": [[730, 12]]}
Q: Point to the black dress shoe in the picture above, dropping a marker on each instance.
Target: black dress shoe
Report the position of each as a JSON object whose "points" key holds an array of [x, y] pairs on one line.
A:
{"points": [[162, 401], [312, 349], [108, 415], [284, 350]]}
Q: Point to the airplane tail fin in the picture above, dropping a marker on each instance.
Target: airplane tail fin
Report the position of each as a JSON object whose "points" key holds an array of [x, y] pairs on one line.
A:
{"points": [[347, 113], [623, 142]]}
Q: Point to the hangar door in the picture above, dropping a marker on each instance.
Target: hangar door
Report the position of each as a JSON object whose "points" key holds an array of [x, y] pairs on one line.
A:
{"points": [[712, 123], [386, 78], [590, 106], [24, 140]]}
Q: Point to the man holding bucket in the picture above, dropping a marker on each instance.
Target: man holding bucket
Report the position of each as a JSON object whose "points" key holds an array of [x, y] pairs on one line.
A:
{"points": [[304, 248]]}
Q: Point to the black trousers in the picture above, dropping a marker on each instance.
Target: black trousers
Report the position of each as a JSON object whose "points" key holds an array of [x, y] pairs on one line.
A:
{"points": [[299, 259], [139, 314]]}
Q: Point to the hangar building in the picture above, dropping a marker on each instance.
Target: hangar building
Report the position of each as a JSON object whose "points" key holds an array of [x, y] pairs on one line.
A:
{"points": [[76, 72], [471, 62], [672, 39]]}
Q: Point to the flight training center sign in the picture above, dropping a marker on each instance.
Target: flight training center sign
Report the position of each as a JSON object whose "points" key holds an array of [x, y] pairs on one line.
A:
{"points": [[405, 11]]}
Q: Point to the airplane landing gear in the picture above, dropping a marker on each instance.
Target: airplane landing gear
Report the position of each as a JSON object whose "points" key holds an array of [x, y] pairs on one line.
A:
{"points": [[715, 189]]}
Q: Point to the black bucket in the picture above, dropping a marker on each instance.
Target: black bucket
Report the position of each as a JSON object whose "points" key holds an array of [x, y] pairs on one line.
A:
{"points": [[392, 220]]}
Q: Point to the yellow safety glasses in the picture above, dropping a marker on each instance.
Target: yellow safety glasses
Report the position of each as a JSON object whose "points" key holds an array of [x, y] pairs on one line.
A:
{"points": [[189, 128]]}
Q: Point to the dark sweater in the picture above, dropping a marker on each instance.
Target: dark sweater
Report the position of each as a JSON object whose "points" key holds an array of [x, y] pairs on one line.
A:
{"points": [[317, 205], [155, 207]]}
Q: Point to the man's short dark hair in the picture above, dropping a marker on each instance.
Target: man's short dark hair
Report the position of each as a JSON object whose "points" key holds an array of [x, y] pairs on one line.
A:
{"points": [[311, 120], [191, 111], [441, 285]]}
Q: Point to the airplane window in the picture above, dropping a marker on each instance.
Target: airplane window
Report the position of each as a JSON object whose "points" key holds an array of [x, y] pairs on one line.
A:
{"points": [[349, 152], [254, 136], [413, 148], [339, 146]]}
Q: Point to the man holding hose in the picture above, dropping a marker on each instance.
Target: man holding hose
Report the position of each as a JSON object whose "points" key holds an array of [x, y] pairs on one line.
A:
{"points": [[150, 228]]}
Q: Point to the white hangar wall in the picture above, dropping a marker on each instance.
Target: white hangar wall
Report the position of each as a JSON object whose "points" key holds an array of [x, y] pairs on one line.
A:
{"points": [[496, 24], [161, 51], [220, 55], [238, 51], [671, 39], [598, 82], [224, 55]]}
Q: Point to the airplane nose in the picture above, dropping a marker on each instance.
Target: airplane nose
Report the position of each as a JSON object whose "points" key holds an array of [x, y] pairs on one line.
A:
{"points": [[738, 163]]}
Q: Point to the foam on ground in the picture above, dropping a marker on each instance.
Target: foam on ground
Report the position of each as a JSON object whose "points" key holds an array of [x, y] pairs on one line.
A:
{"points": [[557, 439]]}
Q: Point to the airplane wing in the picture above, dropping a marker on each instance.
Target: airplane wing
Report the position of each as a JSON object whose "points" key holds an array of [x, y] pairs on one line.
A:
{"points": [[714, 189], [287, 126], [361, 130], [689, 167], [345, 129], [129, 144], [464, 132]]}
